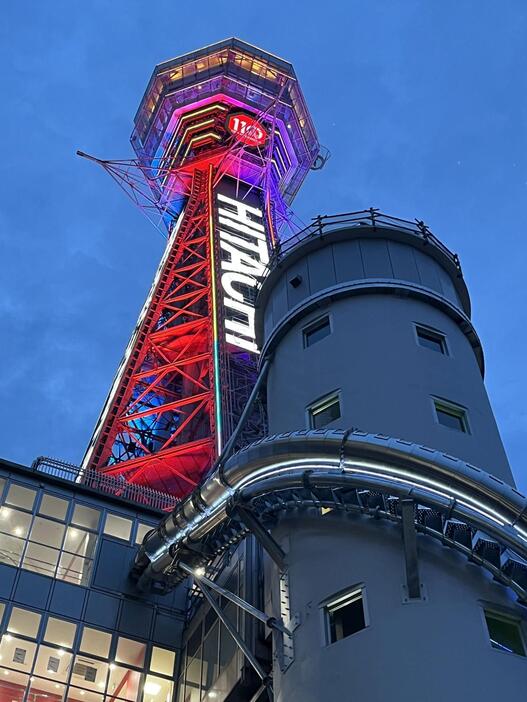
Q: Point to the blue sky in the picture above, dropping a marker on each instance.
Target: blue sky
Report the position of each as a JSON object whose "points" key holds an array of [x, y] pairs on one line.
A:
{"points": [[422, 105]]}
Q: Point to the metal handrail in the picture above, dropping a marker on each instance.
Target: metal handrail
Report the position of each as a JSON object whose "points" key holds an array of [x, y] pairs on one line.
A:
{"points": [[107, 484], [322, 225]]}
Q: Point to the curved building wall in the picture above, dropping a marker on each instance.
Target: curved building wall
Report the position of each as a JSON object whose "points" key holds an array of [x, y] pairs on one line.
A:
{"points": [[378, 294], [434, 649]]}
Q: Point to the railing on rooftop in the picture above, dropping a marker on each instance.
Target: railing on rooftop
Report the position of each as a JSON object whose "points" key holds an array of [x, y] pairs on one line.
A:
{"points": [[106, 484], [324, 224]]}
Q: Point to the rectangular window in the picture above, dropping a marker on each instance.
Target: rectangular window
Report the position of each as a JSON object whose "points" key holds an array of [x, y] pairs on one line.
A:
{"points": [[324, 411], [95, 642], [431, 339], [117, 526], [142, 531], [162, 661], [24, 622], [60, 632], [505, 633], [19, 496], [54, 507], [345, 616], [451, 416], [316, 331], [86, 517]]}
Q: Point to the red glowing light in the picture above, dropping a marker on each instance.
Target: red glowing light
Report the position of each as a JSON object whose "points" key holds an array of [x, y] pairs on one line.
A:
{"points": [[248, 130]]}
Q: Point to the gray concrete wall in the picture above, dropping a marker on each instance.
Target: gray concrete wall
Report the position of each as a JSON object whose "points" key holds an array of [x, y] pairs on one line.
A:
{"points": [[386, 381], [433, 650]]}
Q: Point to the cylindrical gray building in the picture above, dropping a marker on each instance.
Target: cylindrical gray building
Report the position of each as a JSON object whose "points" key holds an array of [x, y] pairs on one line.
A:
{"points": [[378, 319], [368, 328]]}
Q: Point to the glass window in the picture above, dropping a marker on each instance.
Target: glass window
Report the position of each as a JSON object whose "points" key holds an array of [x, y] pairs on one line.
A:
{"points": [[123, 683], [48, 532], [11, 550], [142, 530], [162, 661], [324, 411], [54, 662], [431, 339], [158, 690], [80, 542], [95, 642], [117, 526], [89, 674], [60, 632], [55, 507], [24, 622], [2, 610], [451, 416], [74, 569], [86, 517], [130, 652], [316, 331], [2, 483], [21, 496], [17, 653], [210, 668], [505, 633], [12, 685], [345, 616], [41, 559], [76, 694], [40, 688], [14, 522]]}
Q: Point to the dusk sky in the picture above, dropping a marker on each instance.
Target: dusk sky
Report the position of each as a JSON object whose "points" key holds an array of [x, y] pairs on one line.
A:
{"points": [[423, 105]]}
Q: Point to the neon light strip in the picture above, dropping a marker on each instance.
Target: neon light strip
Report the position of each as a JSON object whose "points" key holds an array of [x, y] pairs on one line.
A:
{"points": [[215, 332]]}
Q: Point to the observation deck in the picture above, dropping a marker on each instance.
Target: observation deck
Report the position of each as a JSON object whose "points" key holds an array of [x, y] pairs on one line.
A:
{"points": [[191, 102]]}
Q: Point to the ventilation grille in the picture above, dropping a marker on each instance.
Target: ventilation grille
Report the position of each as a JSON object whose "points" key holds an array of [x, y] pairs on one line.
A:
{"points": [[87, 672]]}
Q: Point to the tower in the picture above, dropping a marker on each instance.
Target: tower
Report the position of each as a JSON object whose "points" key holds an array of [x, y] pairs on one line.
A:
{"points": [[224, 140]]}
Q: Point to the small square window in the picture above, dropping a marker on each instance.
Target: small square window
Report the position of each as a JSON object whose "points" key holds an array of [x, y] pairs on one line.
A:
{"points": [[162, 661], [60, 632], [86, 517], [345, 616], [95, 642], [21, 497], [130, 652], [117, 526], [451, 416], [24, 622], [316, 331], [431, 339], [324, 411], [505, 633], [142, 531], [54, 507]]}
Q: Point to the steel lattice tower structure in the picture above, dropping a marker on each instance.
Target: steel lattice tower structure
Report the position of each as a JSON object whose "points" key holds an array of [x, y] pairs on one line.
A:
{"points": [[223, 141]]}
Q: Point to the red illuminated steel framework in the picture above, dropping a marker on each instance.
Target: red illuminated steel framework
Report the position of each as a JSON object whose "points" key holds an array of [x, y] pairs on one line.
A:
{"points": [[223, 141]]}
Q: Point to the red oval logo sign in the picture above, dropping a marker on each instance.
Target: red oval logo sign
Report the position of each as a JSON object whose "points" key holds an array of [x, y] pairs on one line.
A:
{"points": [[248, 130]]}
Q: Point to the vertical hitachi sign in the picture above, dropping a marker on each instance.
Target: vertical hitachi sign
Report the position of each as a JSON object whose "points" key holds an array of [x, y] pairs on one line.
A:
{"points": [[244, 255]]}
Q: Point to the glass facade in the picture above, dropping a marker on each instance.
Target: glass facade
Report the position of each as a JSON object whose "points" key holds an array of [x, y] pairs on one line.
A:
{"points": [[43, 656], [54, 536]]}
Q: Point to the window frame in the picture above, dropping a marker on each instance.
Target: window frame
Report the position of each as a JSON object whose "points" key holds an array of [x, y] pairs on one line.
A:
{"points": [[431, 331], [505, 615], [314, 325], [321, 404], [325, 610], [455, 410]]}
